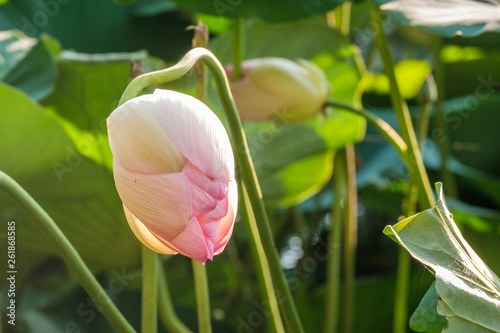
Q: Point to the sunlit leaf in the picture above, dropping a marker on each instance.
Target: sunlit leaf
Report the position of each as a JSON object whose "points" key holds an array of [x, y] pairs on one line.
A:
{"points": [[463, 281], [215, 24], [88, 89], [410, 75]]}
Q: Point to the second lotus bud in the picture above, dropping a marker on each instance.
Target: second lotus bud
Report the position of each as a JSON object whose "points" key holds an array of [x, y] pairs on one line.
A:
{"points": [[278, 88]]}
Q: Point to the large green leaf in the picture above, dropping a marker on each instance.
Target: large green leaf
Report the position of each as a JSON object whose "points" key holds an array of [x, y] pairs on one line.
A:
{"points": [[463, 281], [426, 318], [88, 89], [283, 153], [270, 11], [446, 17], [76, 192], [27, 63], [96, 26]]}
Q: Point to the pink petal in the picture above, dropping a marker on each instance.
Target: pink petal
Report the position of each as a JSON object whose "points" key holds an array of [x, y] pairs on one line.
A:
{"points": [[216, 213], [145, 236], [227, 223], [210, 222], [216, 188], [211, 201], [205, 192], [138, 141], [197, 132], [202, 201], [161, 202], [190, 242], [225, 231]]}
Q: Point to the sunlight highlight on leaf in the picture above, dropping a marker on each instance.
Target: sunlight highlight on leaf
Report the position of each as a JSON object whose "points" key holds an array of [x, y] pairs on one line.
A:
{"points": [[447, 17], [463, 281]]}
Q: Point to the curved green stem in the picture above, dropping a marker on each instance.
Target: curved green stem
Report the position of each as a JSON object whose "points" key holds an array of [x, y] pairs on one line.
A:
{"points": [[162, 76], [166, 309], [381, 125], [149, 291], [417, 169], [202, 297], [263, 273], [69, 254], [243, 158]]}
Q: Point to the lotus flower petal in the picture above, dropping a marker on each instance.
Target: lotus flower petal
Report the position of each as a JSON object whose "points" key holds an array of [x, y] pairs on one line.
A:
{"points": [[199, 136], [145, 236], [139, 134], [161, 202], [227, 223], [191, 242], [206, 192]]}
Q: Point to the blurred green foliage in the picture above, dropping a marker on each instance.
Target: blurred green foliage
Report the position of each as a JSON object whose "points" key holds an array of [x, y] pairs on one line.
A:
{"points": [[62, 80]]}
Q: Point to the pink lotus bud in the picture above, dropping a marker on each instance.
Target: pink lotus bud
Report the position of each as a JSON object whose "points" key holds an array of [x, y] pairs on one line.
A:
{"points": [[174, 171], [279, 88]]}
